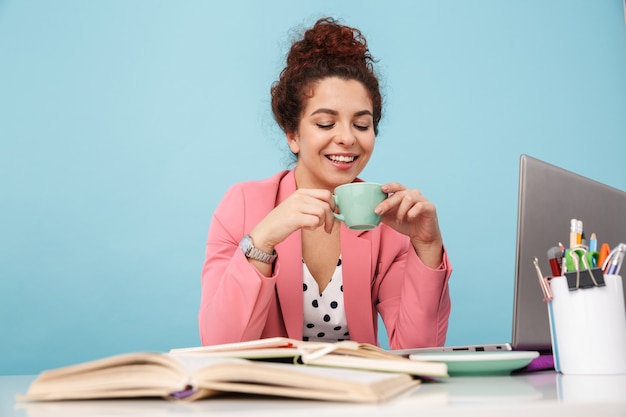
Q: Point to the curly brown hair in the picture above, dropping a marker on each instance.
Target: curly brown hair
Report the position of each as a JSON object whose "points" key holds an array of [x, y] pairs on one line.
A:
{"points": [[328, 49]]}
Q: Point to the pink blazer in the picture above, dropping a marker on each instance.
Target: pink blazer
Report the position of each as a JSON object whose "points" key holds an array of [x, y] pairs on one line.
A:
{"points": [[381, 274]]}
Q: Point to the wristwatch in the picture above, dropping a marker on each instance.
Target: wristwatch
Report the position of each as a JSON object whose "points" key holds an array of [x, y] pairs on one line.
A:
{"points": [[250, 252]]}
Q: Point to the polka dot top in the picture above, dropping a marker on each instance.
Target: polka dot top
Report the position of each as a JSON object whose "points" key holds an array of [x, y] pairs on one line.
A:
{"points": [[324, 314]]}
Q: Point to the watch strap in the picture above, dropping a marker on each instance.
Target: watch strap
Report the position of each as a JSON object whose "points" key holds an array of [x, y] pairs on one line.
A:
{"points": [[252, 252]]}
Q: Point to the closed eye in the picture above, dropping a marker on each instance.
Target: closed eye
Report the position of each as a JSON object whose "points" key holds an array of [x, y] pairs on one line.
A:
{"points": [[361, 127], [325, 126]]}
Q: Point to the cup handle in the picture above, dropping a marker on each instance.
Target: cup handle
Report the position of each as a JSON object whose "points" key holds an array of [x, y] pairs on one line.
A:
{"points": [[338, 216]]}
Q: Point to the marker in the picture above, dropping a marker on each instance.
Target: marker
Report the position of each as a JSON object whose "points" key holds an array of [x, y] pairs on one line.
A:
{"points": [[579, 232], [604, 253], [555, 257]]}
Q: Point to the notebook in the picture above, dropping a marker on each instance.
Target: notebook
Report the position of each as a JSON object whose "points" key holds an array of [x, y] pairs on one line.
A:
{"points": [[548, 197]]}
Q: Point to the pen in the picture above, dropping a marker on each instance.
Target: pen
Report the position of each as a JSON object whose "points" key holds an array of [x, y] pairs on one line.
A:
{"points": [[579, 231], [615, 260]]}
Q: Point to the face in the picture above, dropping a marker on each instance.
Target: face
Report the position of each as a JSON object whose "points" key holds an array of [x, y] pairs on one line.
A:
{"points": [[335, 137]]}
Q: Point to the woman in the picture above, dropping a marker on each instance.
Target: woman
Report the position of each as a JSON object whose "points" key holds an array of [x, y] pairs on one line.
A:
{"points": [[279, 264]]}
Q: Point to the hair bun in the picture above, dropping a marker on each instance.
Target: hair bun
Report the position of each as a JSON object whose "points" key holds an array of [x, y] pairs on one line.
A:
{"points": [[329, 41]]}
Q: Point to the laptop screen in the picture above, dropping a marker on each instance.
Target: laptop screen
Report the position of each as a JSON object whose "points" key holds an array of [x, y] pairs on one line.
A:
{"points": [[549, 197]]}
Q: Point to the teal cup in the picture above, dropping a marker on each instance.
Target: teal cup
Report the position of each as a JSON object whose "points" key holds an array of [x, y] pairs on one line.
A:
{"points": [[356, 202]]}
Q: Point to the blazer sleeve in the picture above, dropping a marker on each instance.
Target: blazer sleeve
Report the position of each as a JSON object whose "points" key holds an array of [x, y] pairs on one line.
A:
{"points": [[235, 297], [414, 301]]}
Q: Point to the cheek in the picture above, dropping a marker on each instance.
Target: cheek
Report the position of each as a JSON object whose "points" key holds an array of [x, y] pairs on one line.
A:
{"points": [[368, 144]]}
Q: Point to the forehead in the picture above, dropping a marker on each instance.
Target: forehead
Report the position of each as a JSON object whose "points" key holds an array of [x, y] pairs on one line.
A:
{"points": [[338, 94]]}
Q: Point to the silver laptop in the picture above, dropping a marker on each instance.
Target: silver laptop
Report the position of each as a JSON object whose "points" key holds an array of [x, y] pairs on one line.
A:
{"points": [[548, 198]]}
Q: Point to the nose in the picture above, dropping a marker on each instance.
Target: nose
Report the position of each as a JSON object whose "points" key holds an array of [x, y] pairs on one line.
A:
{"points": [[345, 136]]}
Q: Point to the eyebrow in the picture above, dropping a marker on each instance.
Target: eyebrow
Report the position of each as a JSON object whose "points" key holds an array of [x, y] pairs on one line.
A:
{"points": [[335, 112]]}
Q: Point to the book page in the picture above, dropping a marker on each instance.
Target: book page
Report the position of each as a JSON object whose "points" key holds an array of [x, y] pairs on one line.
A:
{"points": [[192, 363], [272, 342], [303, 381]]}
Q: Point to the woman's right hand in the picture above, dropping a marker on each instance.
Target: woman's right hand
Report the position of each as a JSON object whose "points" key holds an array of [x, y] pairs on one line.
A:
{"points": [[304, 209]]}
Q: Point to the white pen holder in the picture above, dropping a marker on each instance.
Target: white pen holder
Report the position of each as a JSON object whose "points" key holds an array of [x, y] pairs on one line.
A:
{"points": [[588, 328], [590, 388]]}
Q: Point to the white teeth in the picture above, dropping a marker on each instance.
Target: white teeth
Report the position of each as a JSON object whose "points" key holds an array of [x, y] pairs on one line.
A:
{"points": [[341, 158]]}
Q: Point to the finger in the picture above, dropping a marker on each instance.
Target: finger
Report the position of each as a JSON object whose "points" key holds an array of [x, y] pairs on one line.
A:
{"points": [[318, 213], [310, 222], [329, 221], [323, 211], [391, 203], [410, 207], [392, 187], [328, 206], [325, 196], [416, 210], [332, 204], [406, 203], [423, 208]]}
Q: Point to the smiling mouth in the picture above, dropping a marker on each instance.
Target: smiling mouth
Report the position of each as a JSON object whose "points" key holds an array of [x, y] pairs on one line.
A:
{"points": [[341, 158]]}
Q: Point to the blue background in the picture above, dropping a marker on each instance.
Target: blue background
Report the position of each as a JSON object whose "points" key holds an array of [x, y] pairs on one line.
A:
{"points": [[123, 123]]}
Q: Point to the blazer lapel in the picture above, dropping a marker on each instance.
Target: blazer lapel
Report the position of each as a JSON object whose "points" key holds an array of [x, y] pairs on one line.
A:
{"points": [[289, 284], [356, 252], [289, 281]]}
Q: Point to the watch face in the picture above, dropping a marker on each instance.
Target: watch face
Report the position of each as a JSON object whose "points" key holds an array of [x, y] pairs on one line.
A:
{"points": [[246, 244]]}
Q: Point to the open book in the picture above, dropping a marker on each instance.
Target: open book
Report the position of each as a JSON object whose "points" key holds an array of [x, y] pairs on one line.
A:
{"points": [[342, 371], [346, 354], [192, 377]]}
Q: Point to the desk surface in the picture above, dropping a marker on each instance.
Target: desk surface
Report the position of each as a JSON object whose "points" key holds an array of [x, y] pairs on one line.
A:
{"points": [[533, 394]]}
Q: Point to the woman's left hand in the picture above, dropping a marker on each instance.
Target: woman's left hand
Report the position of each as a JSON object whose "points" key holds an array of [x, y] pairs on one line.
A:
{"points": [[410, 213]]}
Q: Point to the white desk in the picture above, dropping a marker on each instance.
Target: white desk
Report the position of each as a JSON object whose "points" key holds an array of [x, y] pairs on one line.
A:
{"points": [[530, 395]]}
